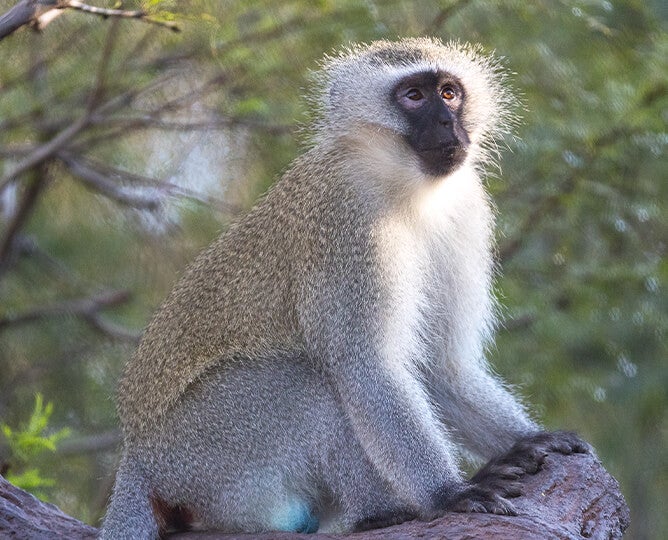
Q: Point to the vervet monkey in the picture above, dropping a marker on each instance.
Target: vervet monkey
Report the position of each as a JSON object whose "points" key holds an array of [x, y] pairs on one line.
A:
{"points": [[320, 365]]}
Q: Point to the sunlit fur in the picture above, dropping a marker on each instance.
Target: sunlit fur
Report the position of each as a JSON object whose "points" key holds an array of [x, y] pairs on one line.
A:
{"points": [[323, 360], [491, 105]]}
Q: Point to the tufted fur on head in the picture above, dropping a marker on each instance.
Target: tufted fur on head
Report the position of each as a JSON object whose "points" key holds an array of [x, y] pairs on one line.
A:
{"points": [[377, 68]]}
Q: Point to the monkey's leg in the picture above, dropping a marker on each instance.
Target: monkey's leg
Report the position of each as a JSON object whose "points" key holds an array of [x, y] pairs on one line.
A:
{"points": [[392, 421], [237, 450], [365, 499]]}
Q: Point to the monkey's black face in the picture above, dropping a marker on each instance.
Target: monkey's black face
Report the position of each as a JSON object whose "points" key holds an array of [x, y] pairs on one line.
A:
{"points": [[433, 104]]}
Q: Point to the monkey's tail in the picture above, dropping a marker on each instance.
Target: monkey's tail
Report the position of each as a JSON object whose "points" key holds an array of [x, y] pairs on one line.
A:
{"points": [[130, 515]]}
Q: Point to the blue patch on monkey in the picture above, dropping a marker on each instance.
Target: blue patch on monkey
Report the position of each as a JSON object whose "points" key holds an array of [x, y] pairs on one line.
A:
{"points": [[296, 517]]}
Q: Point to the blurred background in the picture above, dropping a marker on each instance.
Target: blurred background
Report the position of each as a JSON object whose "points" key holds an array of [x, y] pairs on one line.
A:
{"points": [[125, 147]]}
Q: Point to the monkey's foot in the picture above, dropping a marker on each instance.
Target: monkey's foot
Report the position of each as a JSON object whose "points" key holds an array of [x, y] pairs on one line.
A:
{"points": [[385, 519], [489, 490], [477, 498]]}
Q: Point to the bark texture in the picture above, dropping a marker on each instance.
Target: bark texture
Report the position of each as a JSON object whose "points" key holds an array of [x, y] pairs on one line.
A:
{"points": [[572, 497], [23, 516]]}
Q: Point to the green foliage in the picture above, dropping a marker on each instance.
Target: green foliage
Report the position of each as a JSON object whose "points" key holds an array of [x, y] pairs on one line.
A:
{"points": [[27, 444]]}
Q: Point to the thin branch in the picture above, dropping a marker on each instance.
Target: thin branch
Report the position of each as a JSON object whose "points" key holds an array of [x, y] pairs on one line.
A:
{"points": [[97, 92], [49, 149], [86, 444], [112, 330], [82, 306], [544, 208], [14, 150], [150, 121], [86, 308], [20, 217], [541, 210], [99, 182], [445, 14], [518, 323], [104, 171], [120, 13], [39, 13], [45, 151], [21, 14], [25, 245]]}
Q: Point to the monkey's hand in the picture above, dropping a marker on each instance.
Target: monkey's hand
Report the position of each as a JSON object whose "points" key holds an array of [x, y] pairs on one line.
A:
{"points": [[499, 479], [530, 452]]}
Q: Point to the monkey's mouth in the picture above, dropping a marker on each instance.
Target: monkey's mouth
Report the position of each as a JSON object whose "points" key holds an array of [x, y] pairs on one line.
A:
{"points": [[442, 159]]}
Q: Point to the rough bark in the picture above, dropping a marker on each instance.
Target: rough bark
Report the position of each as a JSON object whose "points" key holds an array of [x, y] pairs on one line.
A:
{"points": [[26, 517], [572, 497]]}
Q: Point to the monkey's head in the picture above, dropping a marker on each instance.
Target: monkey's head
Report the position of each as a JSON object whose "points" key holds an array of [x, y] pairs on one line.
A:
{"points": [[446, 102]]}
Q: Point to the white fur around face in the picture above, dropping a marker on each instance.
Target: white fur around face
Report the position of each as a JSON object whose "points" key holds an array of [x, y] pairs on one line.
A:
{"points": [[438, 264]]}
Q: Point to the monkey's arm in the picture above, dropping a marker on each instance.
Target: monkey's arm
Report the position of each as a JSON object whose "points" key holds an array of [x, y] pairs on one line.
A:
{"points": [[481, 411], [385, 404], [396, 426]]}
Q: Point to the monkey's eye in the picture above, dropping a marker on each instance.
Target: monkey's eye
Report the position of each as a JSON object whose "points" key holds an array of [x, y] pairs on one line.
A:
{"points": [[414, 94], [448, 93]]}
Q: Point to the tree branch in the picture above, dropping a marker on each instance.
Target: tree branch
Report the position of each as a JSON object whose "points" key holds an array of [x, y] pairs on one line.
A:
{"points": [[101, 173], [18, 220], [445, 14], [99, 182], [39, 13], [45, 151], [23, 13], [120, 13], [572, 498], [107, 440], [544, 208], [85, 308]]}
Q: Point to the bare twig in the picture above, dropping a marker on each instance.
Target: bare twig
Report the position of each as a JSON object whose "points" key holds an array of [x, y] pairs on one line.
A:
{"points": [[211, 123], [97, 92], [104, 172], [23, 13], [39, 13], [86, 308], [45, 151], [541, 210], [49, 149], [101, 183], [120, 13], [544, 208], [16, 222], [112, 330], [107, 440], [518, 323], [82, 306]]}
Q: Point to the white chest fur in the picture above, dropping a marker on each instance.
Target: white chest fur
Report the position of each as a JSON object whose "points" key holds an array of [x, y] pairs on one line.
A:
{"points": [[438, 265]]}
